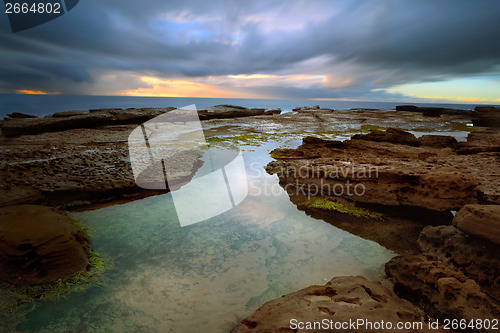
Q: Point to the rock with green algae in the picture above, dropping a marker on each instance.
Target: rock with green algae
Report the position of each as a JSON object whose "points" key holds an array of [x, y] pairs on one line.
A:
{"points": [[343, 209], [39, 245]]}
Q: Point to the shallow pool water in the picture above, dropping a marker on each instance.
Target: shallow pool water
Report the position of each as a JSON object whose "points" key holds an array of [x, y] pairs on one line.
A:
{"points": [[205, 277]]}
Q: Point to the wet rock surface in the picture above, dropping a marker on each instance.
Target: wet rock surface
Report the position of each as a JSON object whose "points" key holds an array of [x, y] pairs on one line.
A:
{"points": [[38, 245], [340, 300]]}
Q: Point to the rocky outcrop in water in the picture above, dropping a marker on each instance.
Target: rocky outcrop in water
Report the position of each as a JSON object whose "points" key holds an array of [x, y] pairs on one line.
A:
{"points": [[391, 168], [342, 299], [488, 116], [432, 111], [39, 245]]}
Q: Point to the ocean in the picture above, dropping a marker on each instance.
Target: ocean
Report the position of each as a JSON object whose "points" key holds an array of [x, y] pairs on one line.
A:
{"points": [[42, 105]]}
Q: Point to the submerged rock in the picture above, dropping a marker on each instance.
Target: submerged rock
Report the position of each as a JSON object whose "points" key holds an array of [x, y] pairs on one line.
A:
{"points": [[38, 245], [342, 299]]}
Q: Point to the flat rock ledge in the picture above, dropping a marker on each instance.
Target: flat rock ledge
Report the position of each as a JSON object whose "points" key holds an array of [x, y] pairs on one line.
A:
{"points": [[342, 299], [17, 126], [39, 245]]}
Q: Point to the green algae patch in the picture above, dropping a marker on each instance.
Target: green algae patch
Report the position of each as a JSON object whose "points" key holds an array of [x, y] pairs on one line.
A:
{"points": [[343, 209], [462, 127], [18, 300], [13, 296], [74, 204]]}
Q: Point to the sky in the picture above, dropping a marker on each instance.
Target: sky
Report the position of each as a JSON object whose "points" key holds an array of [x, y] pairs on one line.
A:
{"points": [[438, 51]]}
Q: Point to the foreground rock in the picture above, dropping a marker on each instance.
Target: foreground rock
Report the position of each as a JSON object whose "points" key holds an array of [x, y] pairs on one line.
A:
{"points": [[480, 220], [104, 117], [39, 245], [439, 289], [342, 299], [475, 257]]}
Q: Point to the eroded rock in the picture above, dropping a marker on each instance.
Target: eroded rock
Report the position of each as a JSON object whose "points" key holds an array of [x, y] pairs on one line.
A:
{"points": [[340, 300], [392, 135], [38, 245], [477, 258], [480, 220], [439, 289]]}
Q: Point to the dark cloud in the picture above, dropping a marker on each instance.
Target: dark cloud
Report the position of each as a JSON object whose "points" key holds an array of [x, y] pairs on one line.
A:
{"points": [[378, 43]]}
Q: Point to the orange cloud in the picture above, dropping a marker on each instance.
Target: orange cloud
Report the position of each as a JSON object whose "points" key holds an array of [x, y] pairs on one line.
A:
{"points": [[34, 92], [177, 88]]}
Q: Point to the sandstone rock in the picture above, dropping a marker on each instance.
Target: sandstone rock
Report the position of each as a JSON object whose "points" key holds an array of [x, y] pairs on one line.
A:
{"points": [[439, 289], [340, 300], [477, 258], [65, 114], [103, 117], [392, 135], [272, 111], [486, 108], [319, 142], [432, 111], [437, 141], [487, 116], [480, 220], [39, 245]]}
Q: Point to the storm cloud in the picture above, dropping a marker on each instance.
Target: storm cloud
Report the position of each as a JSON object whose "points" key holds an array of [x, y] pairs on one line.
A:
{"points": [[359, 47]]}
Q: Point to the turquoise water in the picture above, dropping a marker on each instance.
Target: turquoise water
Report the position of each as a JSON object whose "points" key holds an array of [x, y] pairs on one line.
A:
{"points": [[208, 276]]}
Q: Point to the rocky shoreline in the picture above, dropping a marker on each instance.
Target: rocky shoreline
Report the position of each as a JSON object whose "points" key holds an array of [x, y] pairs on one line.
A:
{"points": [[450, 190], [430, 198]]}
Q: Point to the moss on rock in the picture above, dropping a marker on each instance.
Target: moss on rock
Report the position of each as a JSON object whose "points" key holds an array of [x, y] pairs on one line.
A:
{"points": [[343, 209]]}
